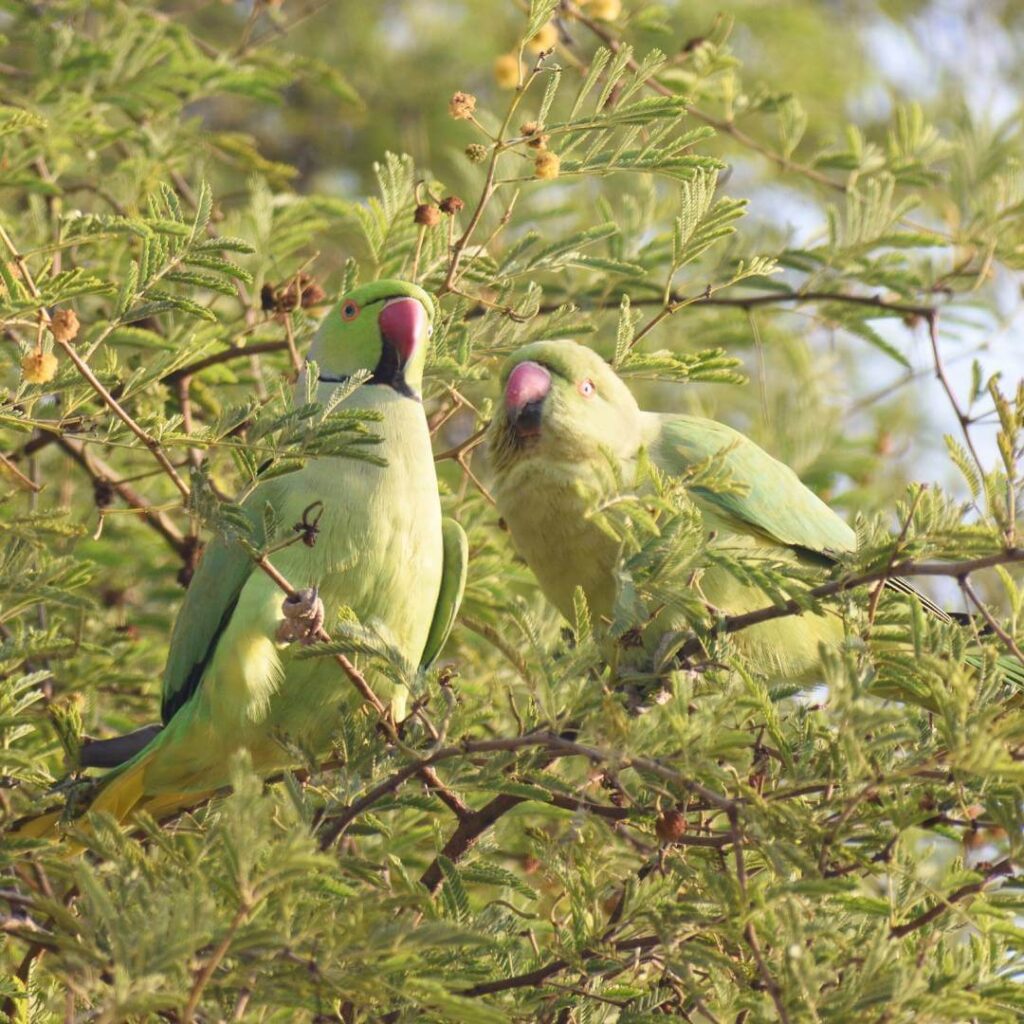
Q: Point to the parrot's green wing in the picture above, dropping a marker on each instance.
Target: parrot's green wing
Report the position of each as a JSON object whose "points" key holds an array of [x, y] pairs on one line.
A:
{"points": [[770, 499], [206, 611], [766, 497], [453, 586]]}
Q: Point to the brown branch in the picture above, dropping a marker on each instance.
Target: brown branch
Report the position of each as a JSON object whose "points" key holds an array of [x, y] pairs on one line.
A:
{"points": [[476, 822], [102, 474], [972, 595], [115, 407], [725, 127], [1002, 868], [541, 974], [213, 962], [23, 480], [736, 623], [748, 302], [224, 356], [465, 837], [940, 372]]}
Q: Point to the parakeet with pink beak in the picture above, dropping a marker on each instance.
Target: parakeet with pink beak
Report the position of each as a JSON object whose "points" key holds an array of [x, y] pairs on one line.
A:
{"points": [[565, 419], [232, 680]]}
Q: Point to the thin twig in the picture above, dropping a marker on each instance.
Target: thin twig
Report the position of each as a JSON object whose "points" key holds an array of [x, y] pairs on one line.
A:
{"points": [[972, 596], [213, 961], [115, 407], [963, 419], [1002, 868], [101, 474], [736, 623]]}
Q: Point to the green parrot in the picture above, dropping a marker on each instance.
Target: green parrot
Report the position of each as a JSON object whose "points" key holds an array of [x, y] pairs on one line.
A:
{"points": [[566, 418], [382, 549]]}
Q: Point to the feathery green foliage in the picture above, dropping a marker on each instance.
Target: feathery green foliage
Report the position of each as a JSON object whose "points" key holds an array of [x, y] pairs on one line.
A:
{"points": [[602, 843]]}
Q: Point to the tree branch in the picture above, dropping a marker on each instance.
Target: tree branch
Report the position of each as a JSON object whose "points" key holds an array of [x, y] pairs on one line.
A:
{"points": [[958, 570], [102, 474], [1002, 868], [540, 974]]}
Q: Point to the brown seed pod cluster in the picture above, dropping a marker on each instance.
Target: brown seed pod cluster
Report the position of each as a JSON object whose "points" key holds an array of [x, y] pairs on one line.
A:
{"points": [[301, 290]]}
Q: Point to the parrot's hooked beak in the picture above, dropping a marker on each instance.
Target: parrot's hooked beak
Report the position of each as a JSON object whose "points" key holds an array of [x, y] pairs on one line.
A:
{"points": [[403, 327], [525, 390]]}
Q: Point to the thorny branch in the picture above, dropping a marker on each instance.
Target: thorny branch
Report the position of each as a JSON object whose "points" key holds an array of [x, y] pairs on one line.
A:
{"points": [[954, 570]]}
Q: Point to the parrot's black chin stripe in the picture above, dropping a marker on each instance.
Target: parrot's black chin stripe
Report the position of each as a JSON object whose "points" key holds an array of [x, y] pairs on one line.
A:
{"points": [[397, 382]]}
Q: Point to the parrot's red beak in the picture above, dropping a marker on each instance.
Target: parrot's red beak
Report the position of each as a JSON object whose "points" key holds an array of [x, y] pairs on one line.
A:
{"points": [[403, 325], [525, 390]]}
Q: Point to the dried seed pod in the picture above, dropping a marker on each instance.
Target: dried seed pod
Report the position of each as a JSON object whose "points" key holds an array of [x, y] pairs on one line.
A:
{"points": [[64, 325], [451, 204], [670, 826], [462, 105], [427, 214]]}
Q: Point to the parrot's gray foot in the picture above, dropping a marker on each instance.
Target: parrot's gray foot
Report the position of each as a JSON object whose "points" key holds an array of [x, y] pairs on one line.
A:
{"points": [[303, 617]]}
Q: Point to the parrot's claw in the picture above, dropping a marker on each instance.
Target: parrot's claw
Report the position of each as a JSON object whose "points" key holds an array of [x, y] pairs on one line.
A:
{"points": [[303, 617]]}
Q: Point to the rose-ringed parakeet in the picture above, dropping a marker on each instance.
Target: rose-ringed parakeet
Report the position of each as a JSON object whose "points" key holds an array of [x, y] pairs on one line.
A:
{"points": [[565, 419], [382, 550]]}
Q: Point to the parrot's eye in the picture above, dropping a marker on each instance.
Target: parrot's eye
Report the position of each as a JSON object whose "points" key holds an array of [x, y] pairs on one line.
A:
{"points": [[350, 310], [587, 389]]}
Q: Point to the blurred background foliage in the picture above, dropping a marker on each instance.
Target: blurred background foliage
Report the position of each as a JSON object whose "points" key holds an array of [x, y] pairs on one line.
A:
{"points": [[198, 180]]}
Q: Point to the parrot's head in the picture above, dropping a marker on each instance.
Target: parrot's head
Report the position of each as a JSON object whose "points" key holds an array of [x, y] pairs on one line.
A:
{"points": [[382, 328], [562, 402]]}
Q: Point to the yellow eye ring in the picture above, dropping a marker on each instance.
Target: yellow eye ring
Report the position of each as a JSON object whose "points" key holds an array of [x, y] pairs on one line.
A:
{"points": [[350, 310]]}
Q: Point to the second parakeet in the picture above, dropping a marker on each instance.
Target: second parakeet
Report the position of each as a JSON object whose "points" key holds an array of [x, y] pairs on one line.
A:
{"points": [[567, 430]]}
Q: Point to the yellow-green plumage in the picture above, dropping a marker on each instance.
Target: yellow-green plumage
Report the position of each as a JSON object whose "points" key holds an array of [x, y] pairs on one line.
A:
{"points": [[381, 550], [548, 483]]}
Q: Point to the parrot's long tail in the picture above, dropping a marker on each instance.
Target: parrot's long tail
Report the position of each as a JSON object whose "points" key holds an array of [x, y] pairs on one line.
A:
{"points": [[1012, 669], [37, 826], [121, 794]]}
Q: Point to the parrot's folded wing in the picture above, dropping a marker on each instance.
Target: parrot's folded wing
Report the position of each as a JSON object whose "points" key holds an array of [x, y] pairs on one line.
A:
{"points": [[206, 611], [453, 586], [765, 496]]}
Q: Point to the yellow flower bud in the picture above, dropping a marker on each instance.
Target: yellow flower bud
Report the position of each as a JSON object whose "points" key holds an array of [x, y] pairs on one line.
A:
{"points": [[604, 10], [39, 367], [507, 69], [546, 165], [545, 39]]}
